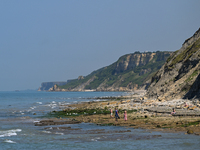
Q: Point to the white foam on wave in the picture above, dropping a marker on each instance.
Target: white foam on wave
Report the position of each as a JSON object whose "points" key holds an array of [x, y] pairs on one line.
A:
{"points": [[63, 104], [52, 105], [46, 131], [36, 121], [97, 100], [59, 133], [9, 132], [9, 141], [39, 102], [32, 107]]}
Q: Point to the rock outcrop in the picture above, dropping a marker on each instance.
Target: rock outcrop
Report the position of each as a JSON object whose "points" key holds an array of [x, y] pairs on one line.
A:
{"points": [[179, 76], [45, 86], [56, 122], [130, 61]]}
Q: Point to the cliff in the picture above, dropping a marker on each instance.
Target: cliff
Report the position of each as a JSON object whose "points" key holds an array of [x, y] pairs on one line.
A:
{"points": [[129, 72], [45, 86], [179, 76]]}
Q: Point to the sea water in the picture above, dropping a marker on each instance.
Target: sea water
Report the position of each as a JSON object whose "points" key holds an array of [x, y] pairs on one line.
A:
{"points": [[19, 111]]}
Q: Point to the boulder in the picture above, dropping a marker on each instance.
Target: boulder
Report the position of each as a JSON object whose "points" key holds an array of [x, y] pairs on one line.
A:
{"points": [[158, 126], [192, 108], [178, 107], [113, 102], [104, 103], [123, 102], [190, 132]]}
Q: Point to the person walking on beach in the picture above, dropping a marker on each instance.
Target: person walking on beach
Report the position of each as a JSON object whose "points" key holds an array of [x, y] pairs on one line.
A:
{"points": [[111, 113], [186, 105], [125, 115], [116, 114], [173, 112]]}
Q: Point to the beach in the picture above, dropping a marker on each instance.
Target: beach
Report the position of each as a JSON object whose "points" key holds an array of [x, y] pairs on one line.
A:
{"points": [[145, 114]]}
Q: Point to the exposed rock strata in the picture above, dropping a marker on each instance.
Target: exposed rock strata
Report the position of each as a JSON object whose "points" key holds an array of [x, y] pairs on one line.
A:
{"points": [[179, 76]]}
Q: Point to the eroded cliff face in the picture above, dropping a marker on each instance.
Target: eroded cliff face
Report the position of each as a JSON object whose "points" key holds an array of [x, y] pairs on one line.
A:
{"points": [[178, 77], [130, 72], [131, 61]]}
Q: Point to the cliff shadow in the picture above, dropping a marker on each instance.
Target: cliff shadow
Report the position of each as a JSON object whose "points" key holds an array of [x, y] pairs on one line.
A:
{"points": [[194, 91]]}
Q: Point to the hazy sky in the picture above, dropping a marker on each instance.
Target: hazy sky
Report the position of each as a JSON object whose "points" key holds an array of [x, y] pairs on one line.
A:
{"points": [[57, 40]]}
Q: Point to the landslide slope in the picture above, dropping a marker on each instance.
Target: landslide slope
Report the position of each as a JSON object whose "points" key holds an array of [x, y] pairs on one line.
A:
{"points": [[179, 76], [130, 72]]}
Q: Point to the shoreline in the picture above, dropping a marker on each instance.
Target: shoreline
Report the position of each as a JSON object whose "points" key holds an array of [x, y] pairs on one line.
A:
{"points": [[142, 113]]}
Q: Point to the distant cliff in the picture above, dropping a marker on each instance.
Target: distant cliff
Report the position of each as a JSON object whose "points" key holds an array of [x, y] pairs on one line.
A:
{"points": [[131, 71], [45, 86], [179, 76]]}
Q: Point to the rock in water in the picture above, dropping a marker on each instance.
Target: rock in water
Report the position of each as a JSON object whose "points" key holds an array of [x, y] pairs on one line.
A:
{"points": [[190, 132]]}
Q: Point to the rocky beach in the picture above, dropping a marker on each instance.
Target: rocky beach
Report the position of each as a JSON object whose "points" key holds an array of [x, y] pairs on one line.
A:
{"points": [[164, 85], [81, 120], [152, 114]]}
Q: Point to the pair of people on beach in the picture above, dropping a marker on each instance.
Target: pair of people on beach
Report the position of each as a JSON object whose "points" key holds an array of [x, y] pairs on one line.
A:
{"points": [[117, 114]]}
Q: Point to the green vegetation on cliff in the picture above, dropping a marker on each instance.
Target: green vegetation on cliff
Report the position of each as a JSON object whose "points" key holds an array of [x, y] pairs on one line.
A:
{"points": [[187, 53], [179, 77], [131, 70], [75, 82]]}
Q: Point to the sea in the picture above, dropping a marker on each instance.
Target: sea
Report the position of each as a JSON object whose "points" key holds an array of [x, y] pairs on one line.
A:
{"points": [[19, 110]]}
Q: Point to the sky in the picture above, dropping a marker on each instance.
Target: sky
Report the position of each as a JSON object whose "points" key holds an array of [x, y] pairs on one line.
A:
{"points": [[57, 40]]}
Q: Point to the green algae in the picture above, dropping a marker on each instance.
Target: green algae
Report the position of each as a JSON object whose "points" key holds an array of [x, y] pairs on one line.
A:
{"points": [[190, 123], [77, 112]]}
